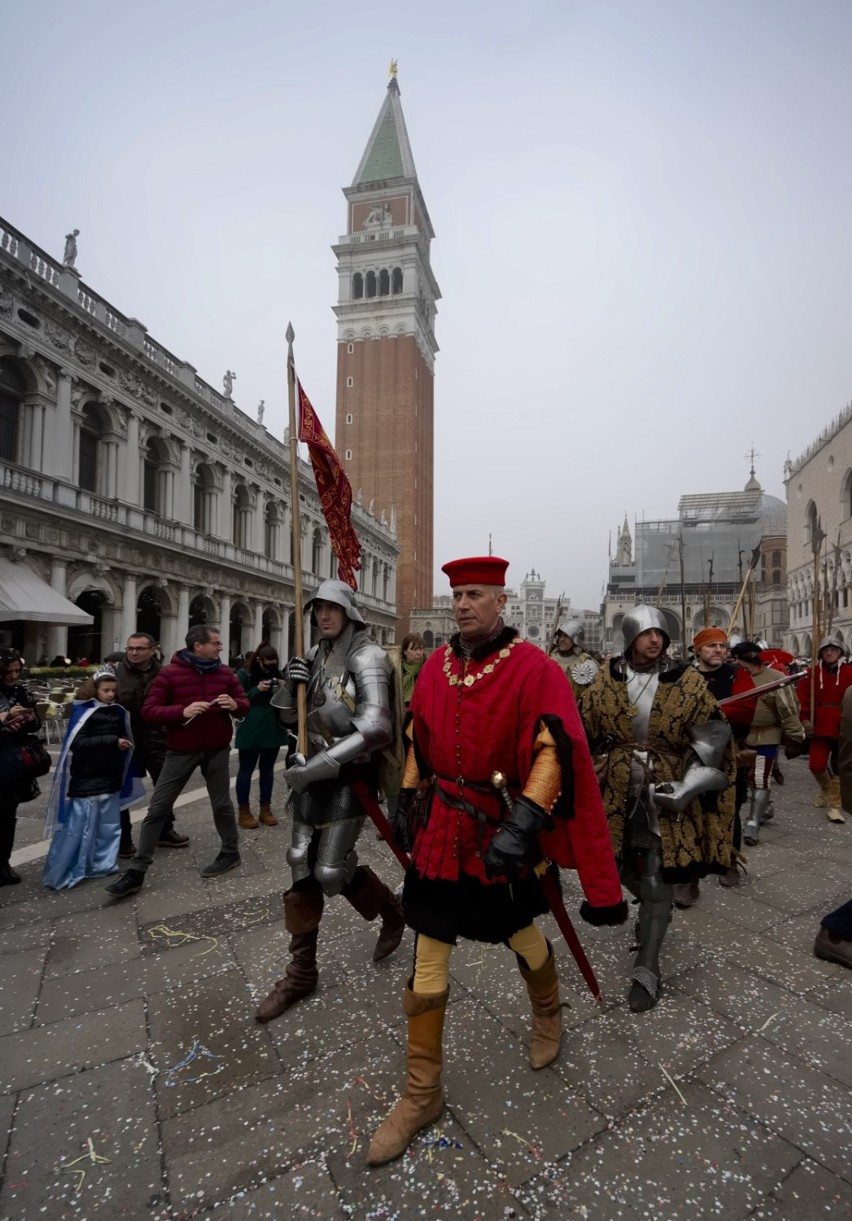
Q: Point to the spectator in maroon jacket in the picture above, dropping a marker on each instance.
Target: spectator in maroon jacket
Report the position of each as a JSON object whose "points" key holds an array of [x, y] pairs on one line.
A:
{"points": [[194, 698]]}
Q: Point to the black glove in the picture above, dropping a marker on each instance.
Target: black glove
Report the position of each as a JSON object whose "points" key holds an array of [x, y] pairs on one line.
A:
{"points": [[297, 671], [515, 845]]}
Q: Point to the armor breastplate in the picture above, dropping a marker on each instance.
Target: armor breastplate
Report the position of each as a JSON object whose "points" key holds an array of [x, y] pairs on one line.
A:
{"points": [[641, 689], [330, 707]]}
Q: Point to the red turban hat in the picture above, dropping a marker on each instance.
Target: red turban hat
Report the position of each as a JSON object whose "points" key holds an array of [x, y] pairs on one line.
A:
{"points": [[709, 635], [479, 570]]}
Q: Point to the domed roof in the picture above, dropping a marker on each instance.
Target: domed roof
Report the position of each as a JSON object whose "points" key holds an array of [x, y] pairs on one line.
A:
{"points": [[773, 515]]}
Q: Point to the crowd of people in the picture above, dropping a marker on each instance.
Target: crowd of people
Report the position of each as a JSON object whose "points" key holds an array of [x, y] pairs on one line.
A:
{"points": [[499, 766]]}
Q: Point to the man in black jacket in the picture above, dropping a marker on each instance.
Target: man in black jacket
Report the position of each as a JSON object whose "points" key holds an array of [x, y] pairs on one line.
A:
{"points": [[134, 675]]}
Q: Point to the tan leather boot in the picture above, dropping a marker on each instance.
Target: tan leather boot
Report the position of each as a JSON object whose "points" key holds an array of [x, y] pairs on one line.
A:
{"points": [[302, 915], [543, 987], [824, 781], [423, 1100], [835, 813], [246, 818], [370, 897], [266, 816]]}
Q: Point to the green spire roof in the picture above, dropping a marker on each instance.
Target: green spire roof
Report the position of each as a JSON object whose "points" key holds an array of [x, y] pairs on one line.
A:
{"points": [[388, 152]]}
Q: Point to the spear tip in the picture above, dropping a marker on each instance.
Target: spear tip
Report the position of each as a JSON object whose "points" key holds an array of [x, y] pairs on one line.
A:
{"points": [[290, 334]]}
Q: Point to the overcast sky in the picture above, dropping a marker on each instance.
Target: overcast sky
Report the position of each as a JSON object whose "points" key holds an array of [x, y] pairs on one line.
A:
{"points": [[643, 213]]}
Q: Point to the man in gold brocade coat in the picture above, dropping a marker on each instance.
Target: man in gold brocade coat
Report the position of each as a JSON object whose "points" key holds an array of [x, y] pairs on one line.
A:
{"points": [[665, 763]]}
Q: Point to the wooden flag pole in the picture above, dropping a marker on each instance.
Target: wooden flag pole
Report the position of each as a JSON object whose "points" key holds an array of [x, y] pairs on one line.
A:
{"points": [[752, 564], [296, 527]]}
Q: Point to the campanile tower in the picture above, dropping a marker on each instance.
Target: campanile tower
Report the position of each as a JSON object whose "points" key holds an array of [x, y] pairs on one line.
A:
{"points": [[386, 348]]}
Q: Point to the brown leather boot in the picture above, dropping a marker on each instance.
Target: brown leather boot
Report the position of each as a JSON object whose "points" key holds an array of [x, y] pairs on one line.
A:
{"points": [[370, 897], [824, 781], [266, 816], [543, 987], [834, 811], [423, 1100], [302, 913], [246, 818]]}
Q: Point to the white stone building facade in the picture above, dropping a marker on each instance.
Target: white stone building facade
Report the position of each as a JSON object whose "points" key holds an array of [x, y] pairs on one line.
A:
{"points": [[139, 492], [819, 504]]}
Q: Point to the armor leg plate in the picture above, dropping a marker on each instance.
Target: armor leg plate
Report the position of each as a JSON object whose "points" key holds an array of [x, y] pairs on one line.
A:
{"points": [[760, 802], [297, 853], [337, 859], [655, 913]]}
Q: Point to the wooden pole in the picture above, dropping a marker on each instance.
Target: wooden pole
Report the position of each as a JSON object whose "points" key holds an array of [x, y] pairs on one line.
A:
{"points": [[735, 612], [296, 528], [682, 601]]}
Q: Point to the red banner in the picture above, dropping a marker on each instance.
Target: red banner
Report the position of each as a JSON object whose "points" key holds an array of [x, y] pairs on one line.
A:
{"points": [[334, 490]]}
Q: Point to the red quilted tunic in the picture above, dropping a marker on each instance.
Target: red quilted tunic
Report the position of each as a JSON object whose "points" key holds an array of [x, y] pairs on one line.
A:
{"points": [[828, 697], [483, 716]]}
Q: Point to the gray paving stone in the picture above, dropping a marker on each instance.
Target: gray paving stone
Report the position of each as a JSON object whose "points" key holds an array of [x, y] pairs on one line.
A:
{"points": [[518, 1115], [808, 1194], [47, 1053], [250, 1136], [835, 994], [788, 1021], [307, 1191], [666, 1160], [217, 1012], [801, 1104], [25, 936], [22, 974], [7, 1110], [91, 939], [780, 964], [793, 891], [112, 1107], [100, 988]]}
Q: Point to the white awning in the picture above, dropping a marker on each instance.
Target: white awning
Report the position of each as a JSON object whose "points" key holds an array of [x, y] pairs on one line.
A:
{"points": [[23, 595]]}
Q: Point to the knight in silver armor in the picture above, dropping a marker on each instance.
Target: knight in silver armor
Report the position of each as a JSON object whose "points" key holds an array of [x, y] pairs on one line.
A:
{"points": [[570, 655], [657, 779], [349, 700]]}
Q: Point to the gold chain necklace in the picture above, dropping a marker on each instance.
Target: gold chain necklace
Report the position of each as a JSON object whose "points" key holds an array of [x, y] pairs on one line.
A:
{"points": [[456, 680]]}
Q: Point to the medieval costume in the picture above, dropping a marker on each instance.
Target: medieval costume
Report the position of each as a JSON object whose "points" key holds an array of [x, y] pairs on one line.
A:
{"points": [[484, 706], [350, 722], [830, 682], [776, 716], [578, 666], [94, 780], [665, 761]]}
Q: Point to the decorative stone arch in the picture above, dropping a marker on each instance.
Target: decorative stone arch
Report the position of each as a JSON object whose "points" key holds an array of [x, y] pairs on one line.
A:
{"points": [[96, 593], [207, 482], [273, 625], [202, 609], [88, 580], [811, 517], [400, 328], [716, 616], [839, 634], [238, 632], [807, 645], [673, 626], [357, 286], [794, 646], [366, 332], [396, 280], [155, 605], [384, 332], [241, 505]]}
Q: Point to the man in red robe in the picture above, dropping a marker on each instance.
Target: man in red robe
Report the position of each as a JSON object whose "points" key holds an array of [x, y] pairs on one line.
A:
{"points": [[491, 702], [831, 680]]}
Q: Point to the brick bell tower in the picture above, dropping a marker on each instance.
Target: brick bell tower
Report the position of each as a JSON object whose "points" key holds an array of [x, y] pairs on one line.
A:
{"points": [[386, 348]]}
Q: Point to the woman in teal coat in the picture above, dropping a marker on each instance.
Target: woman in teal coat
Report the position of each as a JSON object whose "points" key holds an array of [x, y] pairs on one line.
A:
{"points": [[260, 735]]}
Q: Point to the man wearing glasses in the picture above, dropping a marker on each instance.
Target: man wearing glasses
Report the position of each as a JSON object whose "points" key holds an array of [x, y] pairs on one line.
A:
{"points": [[194, 698], [134, 674]]}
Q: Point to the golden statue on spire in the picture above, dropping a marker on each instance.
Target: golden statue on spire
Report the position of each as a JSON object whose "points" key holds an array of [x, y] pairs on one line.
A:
{"points": [[393, 67]]}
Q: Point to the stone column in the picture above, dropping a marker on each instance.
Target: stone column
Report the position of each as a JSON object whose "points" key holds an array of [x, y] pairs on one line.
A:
{"points": [[131, 465], [60, 434], [183, 611], [258, 624], [183, 497], [257, 521], [36, 437], [225, 622], [226, 510], [128, 608], [57, 637], [284, 643]]}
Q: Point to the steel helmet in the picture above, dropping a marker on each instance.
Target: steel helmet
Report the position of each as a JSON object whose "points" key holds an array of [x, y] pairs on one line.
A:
{"points": [[640, 619], [341, 595]]}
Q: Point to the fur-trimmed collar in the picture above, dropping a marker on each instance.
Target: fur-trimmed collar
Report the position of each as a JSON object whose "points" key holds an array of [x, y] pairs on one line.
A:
{"points": [[488, 648], [669, 673]]}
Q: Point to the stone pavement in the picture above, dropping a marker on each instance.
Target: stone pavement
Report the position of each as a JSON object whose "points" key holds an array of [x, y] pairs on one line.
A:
{"points": [[136, 1084]]}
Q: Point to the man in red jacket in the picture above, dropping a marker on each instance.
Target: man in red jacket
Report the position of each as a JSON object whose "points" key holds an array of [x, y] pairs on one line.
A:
{"points": [[491, 702], [194, 698], [831, 680]]}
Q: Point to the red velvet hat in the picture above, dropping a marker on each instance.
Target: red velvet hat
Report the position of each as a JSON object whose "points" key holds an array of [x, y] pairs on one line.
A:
{"points": [[478, 570]]}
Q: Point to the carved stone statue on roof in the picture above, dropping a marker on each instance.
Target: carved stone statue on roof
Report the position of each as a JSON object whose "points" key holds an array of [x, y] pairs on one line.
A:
{"points": [[69, 258]]}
